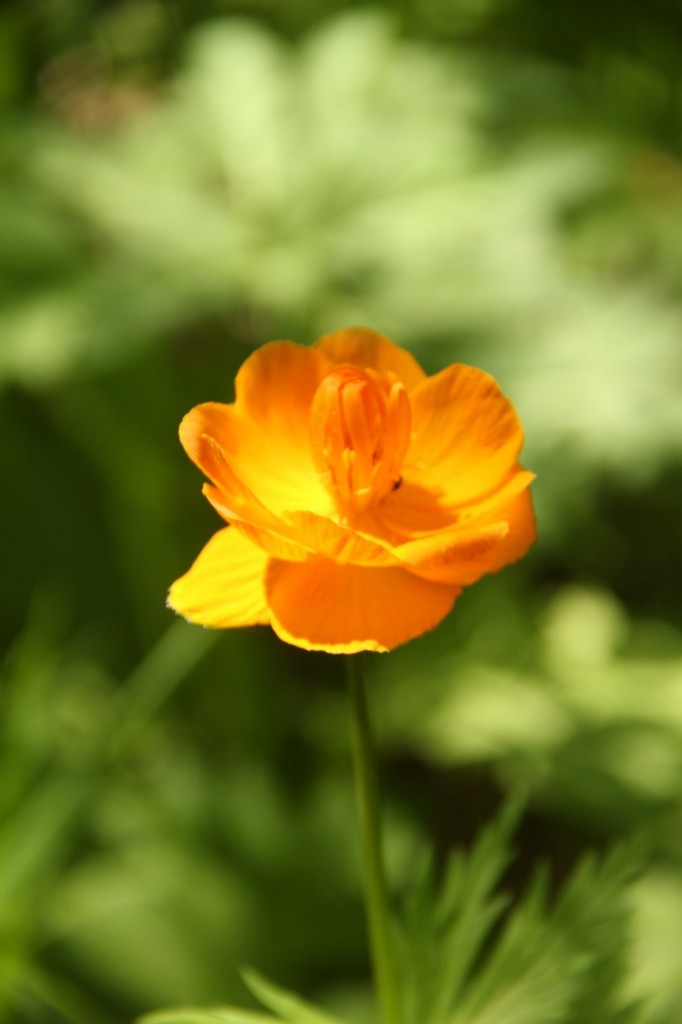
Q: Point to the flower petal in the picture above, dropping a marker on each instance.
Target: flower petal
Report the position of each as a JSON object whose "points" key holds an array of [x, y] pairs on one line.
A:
{"points": [[296, 535], [463, 554], [367, 349], [342, 545], [408, 511], [271, 459], [301, 534], [466, 435], [278, 381], [274, 541], [224, 586], [231, 498], [320, 605], [488, 509]]}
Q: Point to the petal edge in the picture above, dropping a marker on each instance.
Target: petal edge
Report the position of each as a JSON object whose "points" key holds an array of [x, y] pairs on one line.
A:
{"points": [[342, 609], [224, 587], [363, 347]]}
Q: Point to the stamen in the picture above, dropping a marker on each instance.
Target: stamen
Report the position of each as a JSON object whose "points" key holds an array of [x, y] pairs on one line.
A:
{"points": [[360, 431]]}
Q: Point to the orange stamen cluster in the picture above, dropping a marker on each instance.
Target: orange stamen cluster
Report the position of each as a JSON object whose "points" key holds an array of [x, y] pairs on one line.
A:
{"points": [[360, 431]]}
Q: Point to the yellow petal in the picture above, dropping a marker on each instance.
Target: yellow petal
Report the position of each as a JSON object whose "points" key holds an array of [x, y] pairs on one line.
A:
{"points": [[230, 496], [298, 535], [294, 536], [272, 452], [224, 586], [278, 381], [407, 512], [264, 435], [520, 518], [488, 508], [466, 436], [342, 545], [462, 555], [360, 346], [411, 511], [320, 605]]}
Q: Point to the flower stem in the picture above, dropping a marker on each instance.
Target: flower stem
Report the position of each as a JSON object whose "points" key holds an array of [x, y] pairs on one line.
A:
{"points": [[376, 900]]}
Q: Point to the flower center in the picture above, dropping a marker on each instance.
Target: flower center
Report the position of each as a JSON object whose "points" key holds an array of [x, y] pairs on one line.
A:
{"points": [[360, 431]]}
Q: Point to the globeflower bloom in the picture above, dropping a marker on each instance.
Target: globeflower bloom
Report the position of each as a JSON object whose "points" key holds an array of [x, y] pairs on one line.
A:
{"points": [[360, 495]]}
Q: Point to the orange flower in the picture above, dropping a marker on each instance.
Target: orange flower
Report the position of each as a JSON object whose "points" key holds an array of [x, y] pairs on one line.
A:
{"points": [[360, 494]]}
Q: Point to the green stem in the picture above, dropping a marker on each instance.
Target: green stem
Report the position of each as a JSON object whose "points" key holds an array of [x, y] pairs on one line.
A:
{"points": [[376, 900]]}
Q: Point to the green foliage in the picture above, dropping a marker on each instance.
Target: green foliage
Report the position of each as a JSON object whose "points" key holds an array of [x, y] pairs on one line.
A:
{"points": [[593, 719], [195, 1016], [287, 1006], [549, 959], [444, 936], [469, 957], [399, 211]]}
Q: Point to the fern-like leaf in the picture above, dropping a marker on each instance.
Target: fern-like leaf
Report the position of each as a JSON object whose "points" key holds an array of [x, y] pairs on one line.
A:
{"points": [[470, 959], [206, 1015], [286, 1005]]}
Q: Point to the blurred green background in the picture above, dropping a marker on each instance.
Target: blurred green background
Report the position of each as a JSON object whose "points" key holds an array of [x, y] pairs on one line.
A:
{"points": [[488, 181]]}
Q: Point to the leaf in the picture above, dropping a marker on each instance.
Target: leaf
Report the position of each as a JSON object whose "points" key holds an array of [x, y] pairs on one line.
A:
{"points": [[543, 963], [444, 937], [565, 964], [286, 1005], [529, 977], [210, 1015]]}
